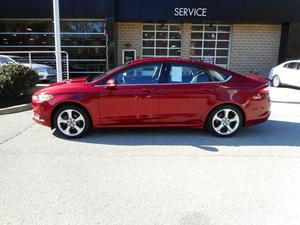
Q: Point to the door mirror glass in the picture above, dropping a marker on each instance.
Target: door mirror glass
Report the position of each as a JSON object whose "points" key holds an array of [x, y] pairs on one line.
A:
{"points": [[111, 84]]}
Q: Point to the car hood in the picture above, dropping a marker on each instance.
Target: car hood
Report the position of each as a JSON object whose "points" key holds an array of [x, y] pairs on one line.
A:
{"points": [[71, 85]]}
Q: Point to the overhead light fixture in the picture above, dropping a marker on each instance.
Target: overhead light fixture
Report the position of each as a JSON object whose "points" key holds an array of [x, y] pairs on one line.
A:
{"points": [[28, 29]]}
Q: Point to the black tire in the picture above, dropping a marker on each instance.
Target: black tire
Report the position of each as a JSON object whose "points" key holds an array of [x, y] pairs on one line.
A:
{"points": [[276, 81], [218, 125], [79, 124]]}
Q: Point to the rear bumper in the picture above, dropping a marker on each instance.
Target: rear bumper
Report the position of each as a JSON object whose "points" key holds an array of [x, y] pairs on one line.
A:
{"points": [[261, 119], [259, 110]]}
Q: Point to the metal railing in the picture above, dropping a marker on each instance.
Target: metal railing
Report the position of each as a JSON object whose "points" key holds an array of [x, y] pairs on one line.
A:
{"points": [[31, 56]]}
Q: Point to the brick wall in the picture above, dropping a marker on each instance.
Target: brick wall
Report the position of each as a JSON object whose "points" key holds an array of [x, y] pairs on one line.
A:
{"points": [[254, 47], [186, 29], [128, 33]]}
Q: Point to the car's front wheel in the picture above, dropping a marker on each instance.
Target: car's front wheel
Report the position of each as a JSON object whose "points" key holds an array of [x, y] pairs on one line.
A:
{"points": [[224, 121], [71, 121], [276, 81]]}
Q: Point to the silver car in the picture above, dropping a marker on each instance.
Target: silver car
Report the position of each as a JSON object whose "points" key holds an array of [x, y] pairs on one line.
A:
{"points": [[45, 72]]}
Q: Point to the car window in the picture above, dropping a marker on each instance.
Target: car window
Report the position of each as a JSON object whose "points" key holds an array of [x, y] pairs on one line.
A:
{"points": [[292, 65], [142, 74], [298, 68], [188, 74], [218, 76], [4, 60]]}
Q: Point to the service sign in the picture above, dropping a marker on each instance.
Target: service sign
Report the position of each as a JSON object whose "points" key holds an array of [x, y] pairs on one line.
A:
{"points": [[190, 12]]}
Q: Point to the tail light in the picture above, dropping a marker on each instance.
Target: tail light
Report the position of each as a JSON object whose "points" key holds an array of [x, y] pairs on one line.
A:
{"points": [[263, 90]]}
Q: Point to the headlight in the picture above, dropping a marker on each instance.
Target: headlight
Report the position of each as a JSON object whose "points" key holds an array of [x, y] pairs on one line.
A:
{"points": [[42, 97]]}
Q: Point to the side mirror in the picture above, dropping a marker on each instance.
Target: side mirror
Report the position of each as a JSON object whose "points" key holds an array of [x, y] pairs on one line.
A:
{"points": [[111, 84]]}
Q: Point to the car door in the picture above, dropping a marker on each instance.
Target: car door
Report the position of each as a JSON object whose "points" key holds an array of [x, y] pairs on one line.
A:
{"points": [[133, 102], [185, 95], [289, 74]]}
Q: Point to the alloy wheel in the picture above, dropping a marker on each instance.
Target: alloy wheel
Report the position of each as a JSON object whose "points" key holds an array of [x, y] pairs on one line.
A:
{"points": [[226, 121], [71, 122]]}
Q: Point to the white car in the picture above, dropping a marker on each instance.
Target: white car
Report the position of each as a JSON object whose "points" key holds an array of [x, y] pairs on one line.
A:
{"points": [[287, 73], [45, 72]]}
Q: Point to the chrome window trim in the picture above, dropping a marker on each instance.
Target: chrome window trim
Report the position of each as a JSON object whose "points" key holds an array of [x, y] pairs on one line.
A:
{"points": [[212, 82]]}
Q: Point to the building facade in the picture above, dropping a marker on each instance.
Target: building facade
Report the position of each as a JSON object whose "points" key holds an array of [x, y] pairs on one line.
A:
{"points": [[245, 36]]}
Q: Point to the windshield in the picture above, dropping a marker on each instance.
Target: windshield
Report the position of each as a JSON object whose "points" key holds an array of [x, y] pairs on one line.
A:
{"points": [[20, 59], [93, 78]]}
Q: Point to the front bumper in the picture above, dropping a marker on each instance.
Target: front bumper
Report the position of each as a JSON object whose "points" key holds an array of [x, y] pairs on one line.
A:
{"points": [[42, 113]]}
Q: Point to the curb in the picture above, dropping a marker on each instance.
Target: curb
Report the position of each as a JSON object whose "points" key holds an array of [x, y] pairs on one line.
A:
{"points": [[15, 109]]}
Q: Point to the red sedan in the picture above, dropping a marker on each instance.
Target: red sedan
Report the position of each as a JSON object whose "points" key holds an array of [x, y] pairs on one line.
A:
{"points": [[159, 92]]}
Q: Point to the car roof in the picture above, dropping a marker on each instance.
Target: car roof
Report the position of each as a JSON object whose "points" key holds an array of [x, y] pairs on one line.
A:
{"points": [[292, 61], [174, 60]]}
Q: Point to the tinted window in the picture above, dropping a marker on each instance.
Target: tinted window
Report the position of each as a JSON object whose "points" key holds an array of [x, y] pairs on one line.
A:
{"points": [[292, 65], [142, 74], [218, 76], [188, 74]]}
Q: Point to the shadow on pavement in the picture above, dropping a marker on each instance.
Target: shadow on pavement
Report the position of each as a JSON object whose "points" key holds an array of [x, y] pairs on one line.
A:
{"points": [[270, 133]]}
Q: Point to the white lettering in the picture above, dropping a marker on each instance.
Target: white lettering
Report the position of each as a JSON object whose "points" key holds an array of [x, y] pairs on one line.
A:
{"points": [[199, 12], [176, 13]]}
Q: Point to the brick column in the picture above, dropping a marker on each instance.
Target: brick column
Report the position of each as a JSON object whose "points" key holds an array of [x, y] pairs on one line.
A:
{"points": [[186, 29]]}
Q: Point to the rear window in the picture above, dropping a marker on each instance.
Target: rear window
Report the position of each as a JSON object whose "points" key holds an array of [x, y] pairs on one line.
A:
{"points": [[292, 65], [218, 76]]}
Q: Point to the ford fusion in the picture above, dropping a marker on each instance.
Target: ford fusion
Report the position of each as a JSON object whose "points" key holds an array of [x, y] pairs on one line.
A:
{"points": [[159, 92]]}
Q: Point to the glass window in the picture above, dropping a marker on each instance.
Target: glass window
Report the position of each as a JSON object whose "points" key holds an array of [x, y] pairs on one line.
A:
{"points": [[218, 75], [142, 74], [292, 65], [148, 35], [210, 43], [188, 74], [83, 26], [148, 27], [17, 26], [84, 40], [148, 43], [164, 40]]}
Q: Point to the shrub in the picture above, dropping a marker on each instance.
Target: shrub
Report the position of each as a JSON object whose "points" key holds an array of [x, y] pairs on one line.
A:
{"points": [[14, 79]]}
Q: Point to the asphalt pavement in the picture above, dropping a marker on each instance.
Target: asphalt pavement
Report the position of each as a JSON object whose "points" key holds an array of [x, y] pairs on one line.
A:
{"points": [[153, 176]]}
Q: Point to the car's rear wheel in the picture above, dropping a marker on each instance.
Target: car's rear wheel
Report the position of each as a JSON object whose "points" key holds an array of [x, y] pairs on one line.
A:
{"points": [[225, 121], [276, 81], [71, 121]]}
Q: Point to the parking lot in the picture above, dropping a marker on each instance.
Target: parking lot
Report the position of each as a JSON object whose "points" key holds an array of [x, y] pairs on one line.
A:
{"points": [[153, 176]]}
